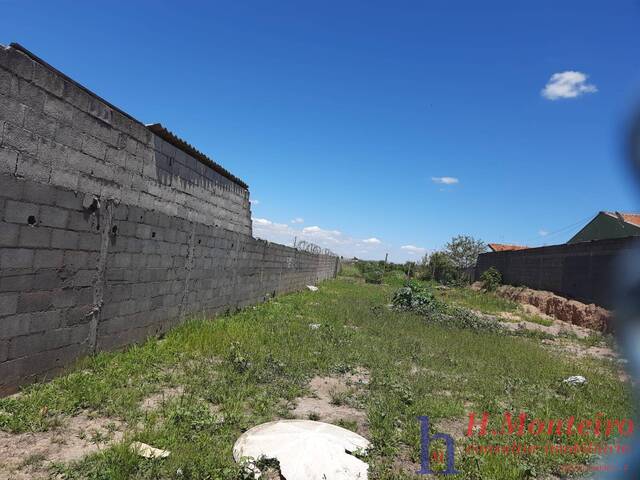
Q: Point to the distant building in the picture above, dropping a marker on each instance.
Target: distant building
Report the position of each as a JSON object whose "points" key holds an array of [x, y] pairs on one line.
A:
{"points": [[503, 247], [609, 225]]}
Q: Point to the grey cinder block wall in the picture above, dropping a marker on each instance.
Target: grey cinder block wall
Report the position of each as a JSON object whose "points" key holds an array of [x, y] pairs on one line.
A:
{"points": [[582, 271], [112, 231]]}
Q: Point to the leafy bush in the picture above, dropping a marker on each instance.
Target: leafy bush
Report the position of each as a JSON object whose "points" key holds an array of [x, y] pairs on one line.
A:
{"points": [[491, 279], [415, 297], [373, 276]]}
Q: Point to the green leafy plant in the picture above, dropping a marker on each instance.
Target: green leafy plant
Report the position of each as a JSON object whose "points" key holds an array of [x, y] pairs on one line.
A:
{"points": [[491, 279]]}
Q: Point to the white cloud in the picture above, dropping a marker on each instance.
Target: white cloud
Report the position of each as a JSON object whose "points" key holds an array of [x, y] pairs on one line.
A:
{"points": [[413, 250], [370, 248], [317, 234], [372, 240], [297, 220], [543, 232], [264, 224], [254, 202], [445, 180], [569, 84]]}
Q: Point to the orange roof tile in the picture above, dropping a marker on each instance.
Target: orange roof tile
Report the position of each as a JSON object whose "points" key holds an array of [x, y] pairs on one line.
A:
{"points": [[501, 247], [632, 218]]}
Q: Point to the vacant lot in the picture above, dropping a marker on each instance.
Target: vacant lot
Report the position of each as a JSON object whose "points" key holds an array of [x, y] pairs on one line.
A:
{"points": [[339, 355]]}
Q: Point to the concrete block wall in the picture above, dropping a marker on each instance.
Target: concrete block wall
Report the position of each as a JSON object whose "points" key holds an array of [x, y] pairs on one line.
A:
{"points": [[581, 271], [109, 233]]}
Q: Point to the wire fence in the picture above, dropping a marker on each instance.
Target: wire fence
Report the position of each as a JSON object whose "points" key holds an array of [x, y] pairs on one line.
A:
{"points": [[313, 248]]}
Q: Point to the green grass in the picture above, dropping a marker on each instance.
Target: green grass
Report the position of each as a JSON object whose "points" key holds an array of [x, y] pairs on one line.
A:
{"points": [[250, 364], [489, 303], [485, 302]]}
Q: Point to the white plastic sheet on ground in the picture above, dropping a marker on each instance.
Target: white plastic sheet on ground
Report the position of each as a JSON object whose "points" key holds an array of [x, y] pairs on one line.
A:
{"points": [[312, 288], [147, 451], [575, 380], [306, 450]]}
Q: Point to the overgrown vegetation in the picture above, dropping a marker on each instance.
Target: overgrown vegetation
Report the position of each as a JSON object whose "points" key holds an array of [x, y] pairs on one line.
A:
{"points": [[454, 264], [239, 370], [491, 279], [419, 299]]}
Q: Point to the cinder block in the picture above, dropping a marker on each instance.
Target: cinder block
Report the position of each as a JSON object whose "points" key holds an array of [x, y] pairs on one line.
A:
{"points": [[94, 147], [20, 139], [81, 278], [21, 212], [64, 239], [58, 109], [39, 123], [14, 326], [48, 259], [12, 110], [53, 217], [8, 160], [8, 304], [16, 258], [64, 178], [8, 234], [76, 260], [69, 136], [38, 342], [46, 79], [80, 221], [35, 301], [44, 280], [68, 199], [19, 63], [64, 298], [89, 241], [29, 94], [53, 153], [33, 168], [76, 96], [38, 193], [7, 80], [32, 236], [44, 321]]}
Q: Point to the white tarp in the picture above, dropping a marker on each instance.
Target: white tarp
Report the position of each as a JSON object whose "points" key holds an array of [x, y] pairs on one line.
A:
{"points": [[306, 450]]}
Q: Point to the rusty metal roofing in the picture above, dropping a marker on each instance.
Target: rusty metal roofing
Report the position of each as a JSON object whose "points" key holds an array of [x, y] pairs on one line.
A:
{"points": [[632, 218], [177, 142], [502, 247]]}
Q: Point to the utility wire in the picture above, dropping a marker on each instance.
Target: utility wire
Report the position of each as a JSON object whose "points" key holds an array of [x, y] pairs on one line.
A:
{"points": [[561, 230]]}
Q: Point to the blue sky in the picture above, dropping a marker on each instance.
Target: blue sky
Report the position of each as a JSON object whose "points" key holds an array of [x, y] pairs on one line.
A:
{"points": [[344, 116]]}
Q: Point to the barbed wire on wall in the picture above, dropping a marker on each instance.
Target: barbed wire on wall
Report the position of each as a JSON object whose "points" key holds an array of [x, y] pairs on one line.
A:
{"points": [[313, 248]]}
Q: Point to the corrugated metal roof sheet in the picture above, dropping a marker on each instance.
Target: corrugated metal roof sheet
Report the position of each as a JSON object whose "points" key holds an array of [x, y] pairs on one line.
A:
{"points": [[176, 141]]}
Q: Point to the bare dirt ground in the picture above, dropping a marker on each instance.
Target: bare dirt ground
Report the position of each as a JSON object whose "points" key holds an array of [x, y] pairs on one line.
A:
{"points": [[29, 455], [158, 399], [564, 309], [331, 400]]}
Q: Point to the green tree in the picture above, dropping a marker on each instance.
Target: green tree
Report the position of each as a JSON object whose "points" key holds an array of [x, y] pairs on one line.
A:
{"points": [[463, 250], [439, 267]]}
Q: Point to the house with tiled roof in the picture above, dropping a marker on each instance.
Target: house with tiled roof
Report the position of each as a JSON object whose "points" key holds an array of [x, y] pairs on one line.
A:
{"points": [[609, 225], [503, 247]]}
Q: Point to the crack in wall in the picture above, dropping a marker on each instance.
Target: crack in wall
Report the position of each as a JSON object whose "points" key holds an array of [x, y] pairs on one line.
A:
{"points": [[104, 224], [188, 266]]}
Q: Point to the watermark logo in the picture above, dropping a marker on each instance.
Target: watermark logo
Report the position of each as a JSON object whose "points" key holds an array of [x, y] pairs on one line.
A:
{"points": [[425, 442]]}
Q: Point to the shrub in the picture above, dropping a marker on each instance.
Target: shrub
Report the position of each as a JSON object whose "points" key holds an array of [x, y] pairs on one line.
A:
{"points": [[440, 268], [491, 279], [373, 276], [414, 297]]}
